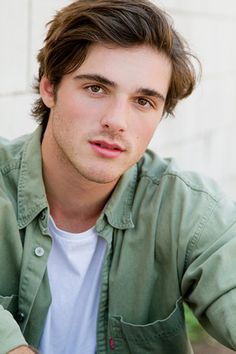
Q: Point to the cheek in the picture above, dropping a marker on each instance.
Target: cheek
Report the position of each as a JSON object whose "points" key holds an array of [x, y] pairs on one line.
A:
{"points": [[146, 131], [83, 110], [69, 113]]}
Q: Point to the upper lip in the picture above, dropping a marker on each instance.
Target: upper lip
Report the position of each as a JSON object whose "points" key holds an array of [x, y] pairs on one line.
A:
{"points": [[107, 145]]}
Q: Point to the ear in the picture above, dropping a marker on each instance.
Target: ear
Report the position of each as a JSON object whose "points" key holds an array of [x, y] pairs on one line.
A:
{"points": [[47, 92]]}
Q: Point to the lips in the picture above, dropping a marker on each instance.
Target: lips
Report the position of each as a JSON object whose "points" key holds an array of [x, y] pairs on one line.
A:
{"points": [[106, 149], [106, 145]]}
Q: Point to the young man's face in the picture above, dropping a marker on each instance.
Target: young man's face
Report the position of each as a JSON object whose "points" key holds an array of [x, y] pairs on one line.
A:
{"points": [[106, 111]]}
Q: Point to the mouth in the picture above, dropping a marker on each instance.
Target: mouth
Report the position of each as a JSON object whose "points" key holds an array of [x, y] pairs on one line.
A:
{"points": [[106, 149], [106, 145]]}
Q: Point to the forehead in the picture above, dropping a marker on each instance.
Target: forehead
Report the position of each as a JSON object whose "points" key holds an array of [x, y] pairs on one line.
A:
{"points": [[134, 67]]}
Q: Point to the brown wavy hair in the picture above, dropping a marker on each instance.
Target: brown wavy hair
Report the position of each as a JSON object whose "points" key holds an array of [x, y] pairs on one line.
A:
{"points": [[123, 23]]}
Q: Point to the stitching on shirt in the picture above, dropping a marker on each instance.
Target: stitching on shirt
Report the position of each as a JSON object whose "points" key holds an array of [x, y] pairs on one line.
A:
{"points": [[199, 232], [190, 184], [212, 204], [127, 204], [13, 165], [33, 212], [119, 332]]}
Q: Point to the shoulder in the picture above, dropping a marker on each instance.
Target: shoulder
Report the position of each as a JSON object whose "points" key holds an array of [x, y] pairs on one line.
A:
{"points": [[163, 175], [190, 212], [11, 155], [11, 150], [188, 201]]}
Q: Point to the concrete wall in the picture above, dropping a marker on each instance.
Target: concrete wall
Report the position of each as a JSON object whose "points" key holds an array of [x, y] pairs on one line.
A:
{"points": [[200, 137]]}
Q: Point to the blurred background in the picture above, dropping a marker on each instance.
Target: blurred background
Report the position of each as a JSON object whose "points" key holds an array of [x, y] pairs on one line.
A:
{"points": [[201, 137]]}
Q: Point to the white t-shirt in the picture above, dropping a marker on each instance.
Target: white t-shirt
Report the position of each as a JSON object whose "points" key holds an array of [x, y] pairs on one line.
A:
{"points": [[74, 269]]}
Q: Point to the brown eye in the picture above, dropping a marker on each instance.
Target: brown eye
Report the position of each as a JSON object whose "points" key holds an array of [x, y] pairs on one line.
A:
{"points": [[95, 88], [143, 102]]}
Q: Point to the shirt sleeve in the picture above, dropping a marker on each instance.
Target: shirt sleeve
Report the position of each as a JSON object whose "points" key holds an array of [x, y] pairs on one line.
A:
{"points": [[10, 333], [209, 280]]}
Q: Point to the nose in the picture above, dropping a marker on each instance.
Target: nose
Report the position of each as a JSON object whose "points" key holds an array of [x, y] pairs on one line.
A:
{"points": [[116, 115]]}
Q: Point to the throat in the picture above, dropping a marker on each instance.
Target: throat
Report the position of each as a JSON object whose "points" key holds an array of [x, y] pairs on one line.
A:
{"points": [[74, 222]]}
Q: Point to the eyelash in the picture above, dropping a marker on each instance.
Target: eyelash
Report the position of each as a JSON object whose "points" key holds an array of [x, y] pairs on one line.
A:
{"points": [[90, 87], [150, 103]]}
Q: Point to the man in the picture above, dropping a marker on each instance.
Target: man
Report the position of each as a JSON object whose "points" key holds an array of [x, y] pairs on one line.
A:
{"points": [[102, 241]]}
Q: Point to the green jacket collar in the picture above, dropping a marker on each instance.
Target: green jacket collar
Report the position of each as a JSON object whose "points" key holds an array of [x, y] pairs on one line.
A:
{"points": [[31, 192], [118, 209]]}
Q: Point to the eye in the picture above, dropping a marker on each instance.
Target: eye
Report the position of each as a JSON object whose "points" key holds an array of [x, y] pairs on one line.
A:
{"points": [[95, 89], [144, 102]]}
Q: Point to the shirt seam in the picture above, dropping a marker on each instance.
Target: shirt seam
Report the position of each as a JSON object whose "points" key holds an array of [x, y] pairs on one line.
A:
{"points": [[7, 168], [199, 232], [191, 185]]}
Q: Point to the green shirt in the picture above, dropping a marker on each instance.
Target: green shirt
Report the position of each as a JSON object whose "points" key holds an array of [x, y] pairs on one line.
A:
{"points": [[171, 237]]}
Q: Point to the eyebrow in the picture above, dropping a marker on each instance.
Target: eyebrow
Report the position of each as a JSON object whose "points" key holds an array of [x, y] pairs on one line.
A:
{"points": [[98, 78], [103, 80], [151, 93]]}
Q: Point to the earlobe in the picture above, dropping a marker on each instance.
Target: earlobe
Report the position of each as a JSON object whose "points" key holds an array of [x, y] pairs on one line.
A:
{"points": [[47, 92]]}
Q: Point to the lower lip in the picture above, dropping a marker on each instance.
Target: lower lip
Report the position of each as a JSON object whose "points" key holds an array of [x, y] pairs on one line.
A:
{"points": [[108, 153]]}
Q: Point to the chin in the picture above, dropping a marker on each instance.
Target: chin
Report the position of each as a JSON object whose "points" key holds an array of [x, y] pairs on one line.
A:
{"points": [[100, 178], [104, 179]]}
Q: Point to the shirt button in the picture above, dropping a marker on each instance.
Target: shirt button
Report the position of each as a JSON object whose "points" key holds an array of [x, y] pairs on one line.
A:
{"points": [[39, 251], [20, 316]]}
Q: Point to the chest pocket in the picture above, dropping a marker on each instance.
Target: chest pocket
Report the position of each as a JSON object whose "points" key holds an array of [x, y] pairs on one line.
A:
{"points": [[9, 303], [165, 336]]}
